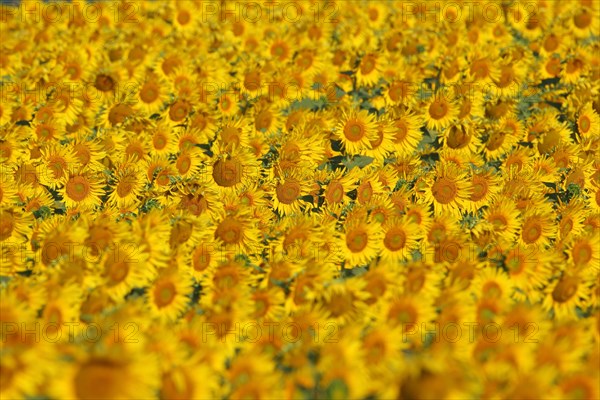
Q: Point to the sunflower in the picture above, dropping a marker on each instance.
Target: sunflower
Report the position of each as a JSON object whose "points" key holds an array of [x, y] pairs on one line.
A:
{"points": [[48, 131], [123, 268], [189, 381], [309, 62], [188, 163], [279, 48], [564, 294], [234, 133], [492, 283], [594, 198], [579, 384], [381, 146], [15, 226], [537, 229], [24, 370], [441, 112], [588, 121], [124, 373], [423, 279], [118, 112], [152, 94], [163, 140], [237, 233], [481, 68], [407, 313], [583, 21], [154, 230], [339, 184], [359, 242], [528, 269], [227, 104], [343, 301], [368, 71], [61, 305], [499, 142], [356, 130], [575, 67], [341, 368], [57, 162], [509, 79], [368, 187], [288, 193], [572, 217], [252, 363], [81, 190], [485, 186], [5, 113], [8, 193], [101, 234], [230, 171], [405, 132], [584, 253], [399, 237], [180, 109], [299, 149], [88, 152], [167, 297], [127, 185], [554, 42], [268, 304], [185, 17], [504, 218], [448, 189], [550, 67]]}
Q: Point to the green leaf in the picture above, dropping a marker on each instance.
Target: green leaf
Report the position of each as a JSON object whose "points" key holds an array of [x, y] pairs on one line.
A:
{"points": [[337, 390], [357, 161]]}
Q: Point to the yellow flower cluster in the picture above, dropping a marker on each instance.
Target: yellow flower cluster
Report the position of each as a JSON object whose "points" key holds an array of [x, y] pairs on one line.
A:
{"points": [[300, 199]]}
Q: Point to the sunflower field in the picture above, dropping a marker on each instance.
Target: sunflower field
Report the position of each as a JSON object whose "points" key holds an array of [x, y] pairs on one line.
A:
{"points": [[300, 199]]}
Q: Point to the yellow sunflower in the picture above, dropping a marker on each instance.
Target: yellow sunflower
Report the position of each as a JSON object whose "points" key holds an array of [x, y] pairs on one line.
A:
{"points": [[188, 163], [339, 184], [356, 131], [288, 193], [360, 242], [127, 185], [564, 294], [584, 252], [368, 70], [232, 170], [399, 237], [122, 268], [485, 184], [537, 229], [234, 133], [125, 372], [152, 94], [236, 232], [588, 121], [167, 298], [405, 132], [81, 190], [407, 313], [440, 111], [343, 301], [448, 189]]}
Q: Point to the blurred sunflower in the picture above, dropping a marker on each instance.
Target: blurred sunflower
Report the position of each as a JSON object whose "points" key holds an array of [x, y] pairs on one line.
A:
{"points": [[448, 189], [360, 242], [167, 297]]}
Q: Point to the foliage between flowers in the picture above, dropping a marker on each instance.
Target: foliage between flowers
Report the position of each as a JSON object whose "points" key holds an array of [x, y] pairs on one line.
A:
{"points": [[356, 200]]}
